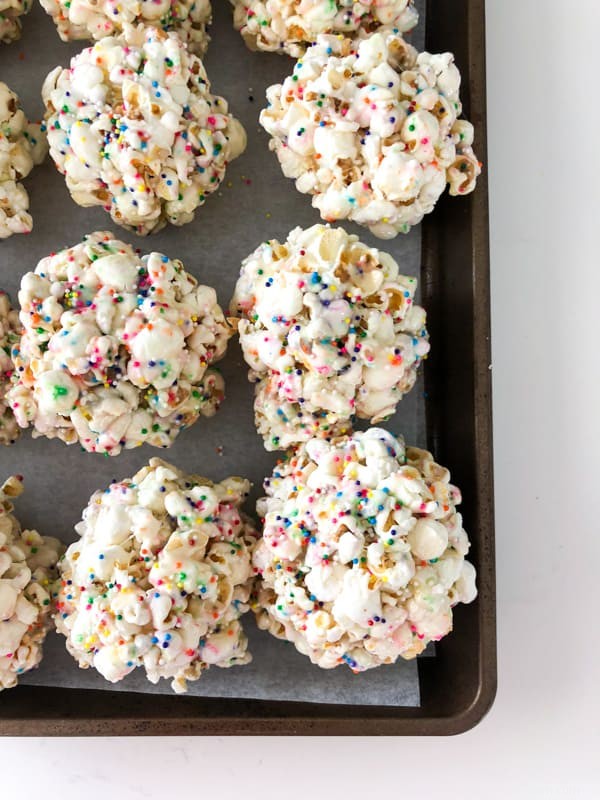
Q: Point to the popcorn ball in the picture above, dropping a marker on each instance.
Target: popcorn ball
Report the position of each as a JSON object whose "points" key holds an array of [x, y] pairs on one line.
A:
{"points": [[134, 128], [11, 12], [9, 335], [116, 348], [363, 553], [371, 130], [289, 26], [27, 569], [22, 144], [96, 19], [159, 578], [330, 330]]}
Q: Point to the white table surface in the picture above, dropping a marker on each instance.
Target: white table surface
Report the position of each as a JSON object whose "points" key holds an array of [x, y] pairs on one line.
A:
{"points": [[542, 737]]}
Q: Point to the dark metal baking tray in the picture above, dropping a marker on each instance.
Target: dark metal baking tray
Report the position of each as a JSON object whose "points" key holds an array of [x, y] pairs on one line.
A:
{"points": [[458, 685]]}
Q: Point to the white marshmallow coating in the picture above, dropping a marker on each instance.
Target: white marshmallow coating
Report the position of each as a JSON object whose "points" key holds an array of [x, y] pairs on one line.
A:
{"points": [[22, 144], [289, 26], [159, 578], [11, 12], [330, 330], [371, 130], [27, 571], [133, 126], [363, 552], [116, 348], [96, 19], [9, 335]]}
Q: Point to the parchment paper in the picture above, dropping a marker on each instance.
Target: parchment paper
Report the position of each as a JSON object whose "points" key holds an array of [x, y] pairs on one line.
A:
{"points": [[255, 203]]}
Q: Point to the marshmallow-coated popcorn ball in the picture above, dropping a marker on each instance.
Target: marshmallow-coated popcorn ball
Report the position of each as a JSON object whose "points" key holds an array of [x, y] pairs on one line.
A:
{"points": [[116, 348], [371, 130], [11, 12], [363, 552], [22, 144], [9, 335], [96, 19], [289, 26], [159, 578], [27, 571], [330, 330], [133, 126]]}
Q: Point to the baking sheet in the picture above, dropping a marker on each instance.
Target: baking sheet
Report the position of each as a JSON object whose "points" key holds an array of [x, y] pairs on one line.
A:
{"points": [[255, 203]]}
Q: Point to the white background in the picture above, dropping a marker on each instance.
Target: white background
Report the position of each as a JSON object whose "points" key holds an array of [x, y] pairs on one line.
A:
{"points": [[542, 738]]}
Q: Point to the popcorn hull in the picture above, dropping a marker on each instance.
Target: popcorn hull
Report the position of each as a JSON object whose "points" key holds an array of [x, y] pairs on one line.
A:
{"points": [[459, 684]]}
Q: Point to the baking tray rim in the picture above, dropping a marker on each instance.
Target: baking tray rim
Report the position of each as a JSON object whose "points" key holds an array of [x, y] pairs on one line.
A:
{"points": [[398, 721]]}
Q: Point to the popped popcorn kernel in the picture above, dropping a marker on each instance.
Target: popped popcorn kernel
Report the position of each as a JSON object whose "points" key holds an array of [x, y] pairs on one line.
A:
{"points": [[159, 578], [22, 145], [27, 571], [371, 130], [117, 348], [363, 552], [134, 128], [330, 330]]}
